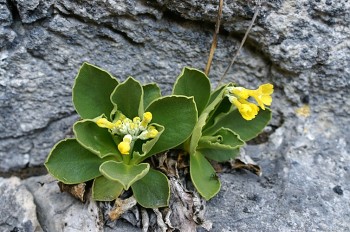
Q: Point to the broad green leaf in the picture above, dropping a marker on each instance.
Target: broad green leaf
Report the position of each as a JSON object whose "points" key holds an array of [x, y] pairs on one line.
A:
{"points": [[152, 191], [142, 148], [178, 115], [214, 94], [71, 163], [96, 139], [193, 82], [203, 176], [125, 174], [222, 137], [150, 93], [91, 91], [222, 146], [245, 129], [104, 189], [222, 108], [128, 98], [197, 131], [220, 154]]}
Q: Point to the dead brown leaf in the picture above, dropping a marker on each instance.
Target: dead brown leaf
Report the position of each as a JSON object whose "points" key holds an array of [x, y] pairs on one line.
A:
{"points": [[76, 190], [121, 206], [245, 162]]}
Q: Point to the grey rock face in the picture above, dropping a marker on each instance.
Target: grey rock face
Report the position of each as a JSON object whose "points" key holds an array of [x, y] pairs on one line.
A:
{"points": [[17, 208], [304, 186], [302, 47], [60, 211], [5, 13], [31, 11], [23, 204]]}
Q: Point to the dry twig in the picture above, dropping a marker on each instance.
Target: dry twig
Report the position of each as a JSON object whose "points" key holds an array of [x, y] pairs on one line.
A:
{"points": [[242, 42], [215, 38]]}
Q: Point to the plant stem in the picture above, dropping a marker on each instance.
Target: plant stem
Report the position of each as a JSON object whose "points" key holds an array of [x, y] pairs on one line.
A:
{"points": [[126, 159], [242, 42], [215, 38]]}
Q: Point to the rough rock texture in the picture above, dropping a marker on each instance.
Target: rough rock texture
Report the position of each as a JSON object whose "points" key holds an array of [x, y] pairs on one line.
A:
{"points": [[304, 186], [61, 212], [17, 208], [302, 47], [36, 204]]}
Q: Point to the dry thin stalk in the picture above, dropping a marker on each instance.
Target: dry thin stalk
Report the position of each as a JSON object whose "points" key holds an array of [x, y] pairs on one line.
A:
{"points": [[215, 38], [242, 42]]}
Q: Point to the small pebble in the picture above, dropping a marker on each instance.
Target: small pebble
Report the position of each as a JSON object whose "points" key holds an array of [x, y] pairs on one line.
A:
{"points": [[337, 189]]}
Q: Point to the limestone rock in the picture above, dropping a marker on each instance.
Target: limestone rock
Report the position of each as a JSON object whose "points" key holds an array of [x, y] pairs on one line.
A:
{"points": [[303, 186], [17, 208], [61, 212], [5, 14], [302, 47], [31, 11]]}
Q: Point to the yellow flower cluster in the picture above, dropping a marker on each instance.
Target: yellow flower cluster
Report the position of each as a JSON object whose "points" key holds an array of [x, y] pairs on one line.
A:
{"points": [[131, 130], [239, 96]]}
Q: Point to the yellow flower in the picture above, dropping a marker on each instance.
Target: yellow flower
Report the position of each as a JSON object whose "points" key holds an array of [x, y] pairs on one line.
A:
{"points": [[104, 123], [240, 92], [136, 120], [247, 109], [147, 117], [124, 146], [118, 123], [150, 133], [262, 95]]}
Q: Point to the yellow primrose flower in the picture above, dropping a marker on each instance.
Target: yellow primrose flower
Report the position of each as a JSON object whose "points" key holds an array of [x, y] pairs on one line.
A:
{"points": [[118, 123], [147, 117], [247, 109], [136, 120], [262, 95], [104, 123], [150, 133], [124, 146], [240, 92]]}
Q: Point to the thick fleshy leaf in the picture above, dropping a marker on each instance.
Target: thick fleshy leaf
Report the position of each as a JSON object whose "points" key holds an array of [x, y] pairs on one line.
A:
{"points": [[222, 146], [96, 139], [221, 154], [152, 191], [91, 91], [71, 163], [104, 189], [125, 174], [193, 82], [128, 98], [214, 94], [150, 93], [222, 108], [202, 120], [178, 115], [203, 176], [245, 129]]}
